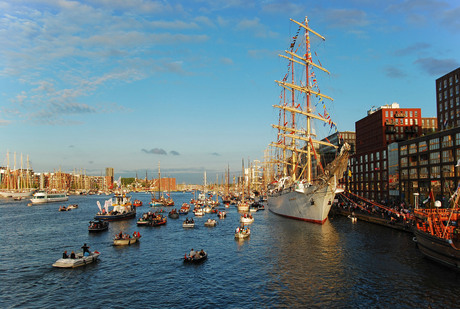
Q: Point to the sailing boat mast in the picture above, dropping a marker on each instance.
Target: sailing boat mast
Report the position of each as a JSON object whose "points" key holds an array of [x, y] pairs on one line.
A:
{"points": [[292, 131]]}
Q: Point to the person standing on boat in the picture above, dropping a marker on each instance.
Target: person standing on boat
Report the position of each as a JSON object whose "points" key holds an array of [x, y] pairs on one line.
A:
{"points": [[192, 253], [85, 249]]}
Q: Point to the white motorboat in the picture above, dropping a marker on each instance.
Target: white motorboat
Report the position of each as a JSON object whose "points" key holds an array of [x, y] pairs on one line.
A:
{"points": [[242, 233], [80, 260], [188, 224], [199, 212], [210, 222], [243, 206], [246, 219], [46, 197]]}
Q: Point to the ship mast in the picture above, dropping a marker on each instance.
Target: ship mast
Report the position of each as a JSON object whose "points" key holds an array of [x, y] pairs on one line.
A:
{"points": [[292, 132]]}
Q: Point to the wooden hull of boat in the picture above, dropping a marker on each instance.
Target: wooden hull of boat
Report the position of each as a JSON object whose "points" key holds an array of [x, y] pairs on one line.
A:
{"points": [[438, 249], [125, 242]]}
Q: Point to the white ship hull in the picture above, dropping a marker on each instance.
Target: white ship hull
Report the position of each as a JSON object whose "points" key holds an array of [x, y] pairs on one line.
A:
{"points": [[307, 206], [41, 198]]}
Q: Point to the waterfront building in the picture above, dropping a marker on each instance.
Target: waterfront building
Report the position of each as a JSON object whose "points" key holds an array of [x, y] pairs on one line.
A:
{"points": [[428, 164], [448, 100], [429, 125], [381, 127]]}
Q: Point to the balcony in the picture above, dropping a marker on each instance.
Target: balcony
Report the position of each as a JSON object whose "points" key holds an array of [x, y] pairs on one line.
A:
{"points": [[390, 130], [410, 130], [400, 115], [390, 122]]}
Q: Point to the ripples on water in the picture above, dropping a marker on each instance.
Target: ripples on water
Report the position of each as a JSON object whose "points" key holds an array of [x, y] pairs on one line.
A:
{"points": [[284, 263]]}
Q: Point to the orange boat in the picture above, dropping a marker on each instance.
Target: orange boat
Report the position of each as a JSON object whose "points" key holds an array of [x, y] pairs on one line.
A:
{"points": [[437, 233], [137, 203]]}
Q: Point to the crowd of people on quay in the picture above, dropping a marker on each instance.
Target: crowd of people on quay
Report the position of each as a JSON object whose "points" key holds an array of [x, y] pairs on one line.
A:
{"points": [[395, 212]]}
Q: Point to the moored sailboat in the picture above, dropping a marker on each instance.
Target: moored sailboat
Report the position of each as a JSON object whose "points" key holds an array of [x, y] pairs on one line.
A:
{"points": [[437, 232], [300, 191]]}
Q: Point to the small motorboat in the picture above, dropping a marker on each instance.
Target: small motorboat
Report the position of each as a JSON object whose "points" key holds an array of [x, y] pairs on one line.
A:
{"points": [[188, 223], [199, 257], [243, 206], [125, 239], [63, 208], [199, 212], [207, 209], [98, 226], [73, 206], [242, 233], [173, 214], [210, 223], [247, 219], [137, 203], [158, 221], [79, 260]]}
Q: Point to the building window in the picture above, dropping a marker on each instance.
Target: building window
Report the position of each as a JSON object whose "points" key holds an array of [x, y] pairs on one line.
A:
{"points": [[404, 162], [422, 146], [447, 156], [377, 155], [413, 173], [447, 141], [445, 94], [440, 96], [445, 83], [434, 143], [435, 172], [404, 150], [424, 172], [372, 156], [435, 158], [412, 148], [451, 92], [450, 81], [386, 114], [384, 155], [391, 114], [456, 89]]}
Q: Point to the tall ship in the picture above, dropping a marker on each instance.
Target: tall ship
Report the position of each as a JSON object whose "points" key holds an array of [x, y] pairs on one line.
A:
{"points": [[437, 232], [42, 197], [302, 188]]}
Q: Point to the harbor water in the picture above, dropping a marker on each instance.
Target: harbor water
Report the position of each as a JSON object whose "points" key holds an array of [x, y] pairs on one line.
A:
{"points": [[284, 263]]}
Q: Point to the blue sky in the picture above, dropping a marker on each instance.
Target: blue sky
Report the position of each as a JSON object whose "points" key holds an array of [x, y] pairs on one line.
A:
{"points": [[126, 84]]}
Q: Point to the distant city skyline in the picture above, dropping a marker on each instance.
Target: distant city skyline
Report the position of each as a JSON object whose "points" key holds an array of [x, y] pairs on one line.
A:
{"points": [[126, 84]]}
